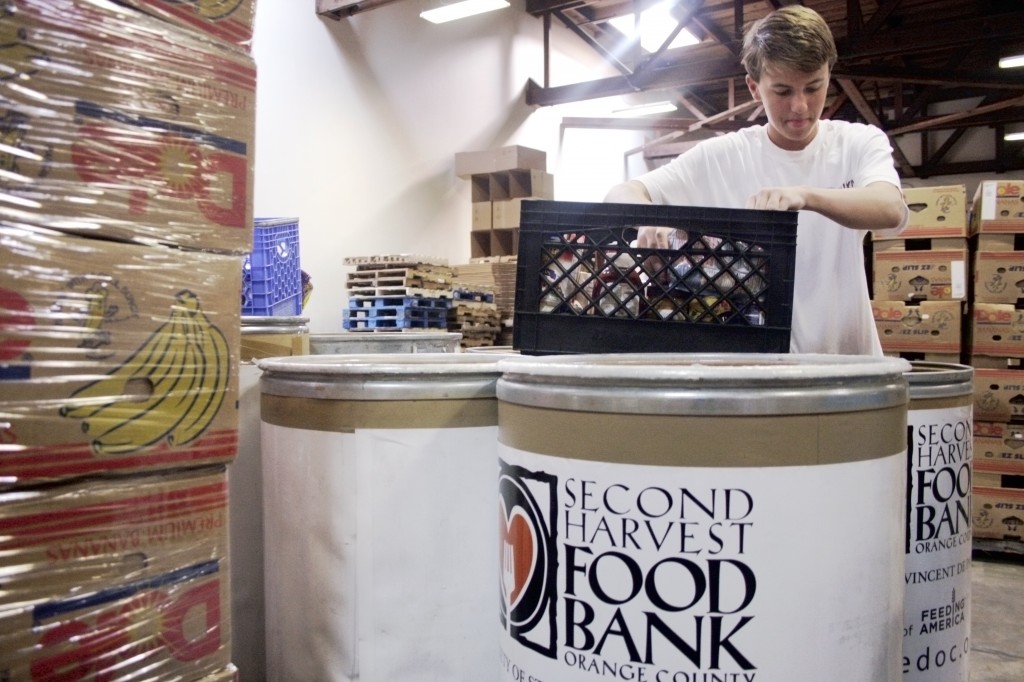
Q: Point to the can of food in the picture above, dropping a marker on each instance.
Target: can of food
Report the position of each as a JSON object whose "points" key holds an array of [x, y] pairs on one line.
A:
{"points": [[938, 539], [379, 494], [689, 518]]}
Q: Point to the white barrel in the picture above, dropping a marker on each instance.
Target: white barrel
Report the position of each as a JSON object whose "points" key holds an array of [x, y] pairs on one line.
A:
{"points": [[383, 342], [379, 516], [261, 337], [938, 541], [689, 518]]}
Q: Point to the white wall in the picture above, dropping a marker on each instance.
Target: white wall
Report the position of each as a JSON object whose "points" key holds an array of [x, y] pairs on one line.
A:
{"points": [[358, 122]]}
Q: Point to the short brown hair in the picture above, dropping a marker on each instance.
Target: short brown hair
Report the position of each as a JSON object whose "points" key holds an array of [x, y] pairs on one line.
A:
{"points": [[794, 36]]}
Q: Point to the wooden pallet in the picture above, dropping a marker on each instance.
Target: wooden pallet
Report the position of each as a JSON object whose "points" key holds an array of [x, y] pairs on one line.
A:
{"points": [[393, 260], [385, 291], [400, 300], [386, 319]]}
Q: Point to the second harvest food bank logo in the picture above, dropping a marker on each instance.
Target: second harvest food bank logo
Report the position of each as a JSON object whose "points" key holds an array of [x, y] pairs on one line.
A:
{"points": [[611, 578], [527, 553]]}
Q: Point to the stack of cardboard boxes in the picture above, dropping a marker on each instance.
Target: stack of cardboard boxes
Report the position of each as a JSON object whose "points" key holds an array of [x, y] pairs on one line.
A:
{"points": [[950, 288], [125, 215], [501, 180], [920, 278], [995, 348]]}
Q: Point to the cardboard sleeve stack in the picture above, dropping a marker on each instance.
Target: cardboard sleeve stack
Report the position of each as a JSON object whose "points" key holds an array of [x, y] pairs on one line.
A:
{"points": [[500, 180], [950, 288], [125, 217]]}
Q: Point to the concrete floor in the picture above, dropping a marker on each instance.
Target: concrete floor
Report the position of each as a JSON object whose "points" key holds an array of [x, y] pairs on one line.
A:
{"points": [[997, 617]]}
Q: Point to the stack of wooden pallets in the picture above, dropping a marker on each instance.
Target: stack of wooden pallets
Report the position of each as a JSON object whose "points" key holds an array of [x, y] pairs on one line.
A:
{"points": [[474, 315], [398, 293]]}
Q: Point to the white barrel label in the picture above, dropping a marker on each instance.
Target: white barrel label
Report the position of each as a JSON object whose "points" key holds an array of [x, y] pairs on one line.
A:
{"points": [[937, 610], [617, 571]]}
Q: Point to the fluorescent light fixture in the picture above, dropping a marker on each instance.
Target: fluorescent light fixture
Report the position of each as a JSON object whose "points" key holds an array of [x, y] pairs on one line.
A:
{"points": [[1014, 137], [645, 110], [1011, 62], [656, 24], [461, 10]]}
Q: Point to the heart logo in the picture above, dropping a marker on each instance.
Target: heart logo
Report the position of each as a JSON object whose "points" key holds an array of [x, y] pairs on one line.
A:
{"points": [[517, 552]]}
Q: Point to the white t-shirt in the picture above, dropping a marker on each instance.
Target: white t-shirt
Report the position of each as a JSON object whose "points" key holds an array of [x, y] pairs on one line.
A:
{"points": [[831, 307]]}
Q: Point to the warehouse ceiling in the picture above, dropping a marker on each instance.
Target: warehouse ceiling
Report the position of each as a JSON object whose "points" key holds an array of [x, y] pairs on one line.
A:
{"points": [[925, 71]]}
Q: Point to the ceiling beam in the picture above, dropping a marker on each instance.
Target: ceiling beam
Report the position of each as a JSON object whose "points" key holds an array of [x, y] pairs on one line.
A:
{"points": [[936, 121], [858, 100]]}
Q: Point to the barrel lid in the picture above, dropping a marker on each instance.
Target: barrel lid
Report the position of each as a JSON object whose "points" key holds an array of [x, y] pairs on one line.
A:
{"points": [[705, 383], [939, 380], [380, 376], [358, 337], [493, 350], [273, 320], [270, 324]]}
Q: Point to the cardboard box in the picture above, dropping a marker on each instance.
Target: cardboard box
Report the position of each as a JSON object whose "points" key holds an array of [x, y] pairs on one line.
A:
{"points": [[114, 357], [482, 216], [537, 184], [177, 623], [105, 577], [505, 242], [504, 159], [997, 513], [999, 268], [935, 274], [999, 395], [999, 447], [934, 212], [998, 206], [68, 537], [927, 327], [229, 21], [996, 330], [122, 126], [507, 213]]}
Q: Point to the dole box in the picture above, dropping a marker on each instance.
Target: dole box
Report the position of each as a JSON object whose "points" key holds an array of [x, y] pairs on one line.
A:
{"points": [[230, 21], [119, 125], [114, 357]]}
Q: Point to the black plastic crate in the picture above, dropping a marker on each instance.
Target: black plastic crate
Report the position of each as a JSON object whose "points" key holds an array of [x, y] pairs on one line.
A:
{"points": [[726, 286]]}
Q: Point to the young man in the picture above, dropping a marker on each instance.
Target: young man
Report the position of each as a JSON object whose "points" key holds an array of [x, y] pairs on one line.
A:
{"points": [[839, 175]]}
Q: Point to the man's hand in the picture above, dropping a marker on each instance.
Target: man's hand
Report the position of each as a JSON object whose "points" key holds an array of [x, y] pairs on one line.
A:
{"points": [[778, 199]]}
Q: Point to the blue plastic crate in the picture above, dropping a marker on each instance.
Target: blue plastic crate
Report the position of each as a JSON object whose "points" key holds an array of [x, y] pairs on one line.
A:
{"points": [[271, 276]]}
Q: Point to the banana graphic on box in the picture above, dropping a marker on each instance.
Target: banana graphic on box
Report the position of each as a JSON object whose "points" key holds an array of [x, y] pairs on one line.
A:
{"points": [[170, 388]]}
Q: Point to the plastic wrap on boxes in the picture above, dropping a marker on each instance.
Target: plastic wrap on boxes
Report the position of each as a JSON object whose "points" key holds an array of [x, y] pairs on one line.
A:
{"points": [[230, 21], [114, 358], [119, 125], [122, 578]]}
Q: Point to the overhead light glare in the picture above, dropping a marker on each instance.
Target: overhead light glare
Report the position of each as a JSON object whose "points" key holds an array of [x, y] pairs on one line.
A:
{"points": [[656, 24], [1013, 137], [1011, 62], [645, 110], [461, 10]]}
